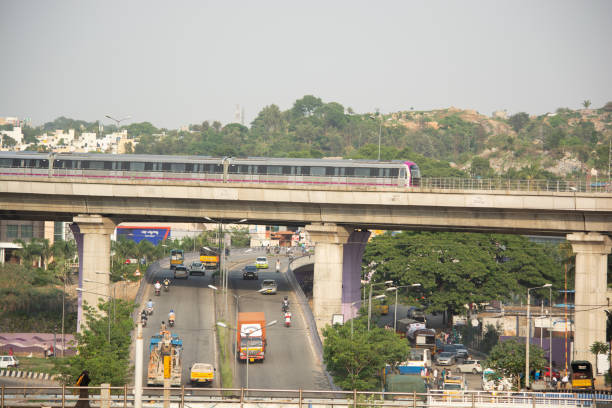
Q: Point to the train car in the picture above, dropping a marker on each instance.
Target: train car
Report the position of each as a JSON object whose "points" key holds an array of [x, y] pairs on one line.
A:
{"points": [[216, 169]]}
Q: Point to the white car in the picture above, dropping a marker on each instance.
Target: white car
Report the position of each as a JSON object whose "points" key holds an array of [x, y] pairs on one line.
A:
{"points": [[470, 366], [8, 361], [181, 272]]}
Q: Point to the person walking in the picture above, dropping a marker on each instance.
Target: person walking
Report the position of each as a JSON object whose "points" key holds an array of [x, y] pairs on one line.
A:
{"points": [[82, 383], [565, 381]]}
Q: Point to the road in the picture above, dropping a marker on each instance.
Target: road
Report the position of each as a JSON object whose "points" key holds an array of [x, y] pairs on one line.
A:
{"points": [[192, 301], [290, 361]]}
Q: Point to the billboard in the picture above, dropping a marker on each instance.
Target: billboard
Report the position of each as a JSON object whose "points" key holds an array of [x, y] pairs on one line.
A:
{"points": [[155, 235]]}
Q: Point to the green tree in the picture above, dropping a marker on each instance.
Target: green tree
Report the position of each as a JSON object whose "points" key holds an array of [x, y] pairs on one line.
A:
{"points": [[508, 359], [355, 357], [306, 106], [598, 348], [481, 167], [106, 358], [8, 141], [586, 103], [518, 121]]}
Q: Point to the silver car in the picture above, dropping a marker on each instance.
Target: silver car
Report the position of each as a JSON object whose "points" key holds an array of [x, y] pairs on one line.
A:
{"points": [[268, 287], [197, 267], [445, 358]]}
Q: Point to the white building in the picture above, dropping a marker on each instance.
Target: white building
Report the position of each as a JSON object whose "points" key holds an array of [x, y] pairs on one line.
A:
{"points": [[14, 134]]}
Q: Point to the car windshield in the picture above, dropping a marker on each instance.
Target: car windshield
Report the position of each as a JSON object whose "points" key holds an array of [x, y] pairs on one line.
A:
{"points": [[269, 283], [198, 264], [452, 386], [261, 259], [250, 268], [446, 354]]}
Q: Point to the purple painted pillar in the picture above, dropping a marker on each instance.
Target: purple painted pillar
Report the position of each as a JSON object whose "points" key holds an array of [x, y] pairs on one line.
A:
{"points": [[351, 273], [78, 237]]}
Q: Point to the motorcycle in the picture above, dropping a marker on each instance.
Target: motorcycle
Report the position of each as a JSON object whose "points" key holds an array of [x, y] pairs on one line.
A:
{"points": [[285, 307], [166, 287], [287, 319], [143, 321], [171, 322], [149, 310], [157, 291]]}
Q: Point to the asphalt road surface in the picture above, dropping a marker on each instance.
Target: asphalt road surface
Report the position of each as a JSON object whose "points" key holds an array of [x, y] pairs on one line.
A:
{"points": [[290, 362], [192, 302]]}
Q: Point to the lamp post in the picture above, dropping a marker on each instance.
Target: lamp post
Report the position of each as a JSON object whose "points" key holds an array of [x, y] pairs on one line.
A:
{"points": [[549, 333], [379, 132], [248, 337], [528, 338], [223, 275], [389, 282], [118, 121], [237, 297], [395, 288]]}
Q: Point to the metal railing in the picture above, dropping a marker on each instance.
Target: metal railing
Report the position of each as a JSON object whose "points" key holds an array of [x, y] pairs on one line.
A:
{"points": [[344, 183], [183, 397]]}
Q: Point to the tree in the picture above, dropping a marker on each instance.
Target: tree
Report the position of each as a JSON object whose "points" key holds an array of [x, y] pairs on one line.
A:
{"points": [[306, 106], [480, 167], [518, 121], [508, 359], [8, 141], [598, 348], [586, 103], [355, 356], [106, 358]]}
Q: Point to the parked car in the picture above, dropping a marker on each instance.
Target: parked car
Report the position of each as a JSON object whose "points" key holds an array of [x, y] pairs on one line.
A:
{"points": [[181, 272], [470, 366], [268, 287], [197, 267], [261, 262], [445, 358], [250, 272], [458, 350], [8, 361]]}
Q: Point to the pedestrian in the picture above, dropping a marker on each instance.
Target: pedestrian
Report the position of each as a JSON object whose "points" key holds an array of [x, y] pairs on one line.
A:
{"points": [[82, 383], [554, 383], [10, 351], [443, 377], [564, 381], [51, 351], [46, 350], [435, 374], [163, 327]]}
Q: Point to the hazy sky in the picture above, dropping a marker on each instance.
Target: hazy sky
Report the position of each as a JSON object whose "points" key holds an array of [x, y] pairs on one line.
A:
{"points": [[179, 62]]}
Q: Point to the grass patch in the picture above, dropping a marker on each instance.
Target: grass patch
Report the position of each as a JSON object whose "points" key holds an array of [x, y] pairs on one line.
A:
{"points": [[227, 376], [38, 364]]}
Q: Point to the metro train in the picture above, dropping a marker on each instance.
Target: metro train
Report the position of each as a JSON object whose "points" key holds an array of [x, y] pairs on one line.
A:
{"points": [[204, 168]]}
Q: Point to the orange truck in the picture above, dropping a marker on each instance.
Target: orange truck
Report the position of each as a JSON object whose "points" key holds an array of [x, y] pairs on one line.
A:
{"points": [[251, 336]]}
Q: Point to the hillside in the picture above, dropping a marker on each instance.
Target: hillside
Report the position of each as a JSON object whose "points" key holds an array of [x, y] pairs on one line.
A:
{"points": [[446, 142]]}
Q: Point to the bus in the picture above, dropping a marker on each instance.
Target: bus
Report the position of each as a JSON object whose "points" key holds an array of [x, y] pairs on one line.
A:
{"points": [[209, 258], [176, 258], [581, 375]]}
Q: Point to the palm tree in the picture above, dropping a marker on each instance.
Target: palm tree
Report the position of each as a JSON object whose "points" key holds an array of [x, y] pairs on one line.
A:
{"points": [[586, 103], [28, 252], [598, 348], [46, 251]]}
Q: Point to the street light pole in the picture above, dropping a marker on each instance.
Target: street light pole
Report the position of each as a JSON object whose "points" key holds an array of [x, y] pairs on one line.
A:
{"points": [[389, 282], [396, 288], [549, 334], [528, 339]]}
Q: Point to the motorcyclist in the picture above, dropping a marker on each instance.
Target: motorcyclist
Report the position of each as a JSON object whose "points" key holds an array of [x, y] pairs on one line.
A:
{"points": [[166, 282], [287, 318], [150, 304], [163, 326], [143, 315], [157, 286], [171, 315], [285, 305]]}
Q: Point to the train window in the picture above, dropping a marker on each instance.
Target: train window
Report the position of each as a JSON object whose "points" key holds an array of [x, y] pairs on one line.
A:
{"points": [[362, 172], [178, 167], [275, 170], [137, 166], [233, 169], [189, 167], [108, 165], [288, 170], [5, 162], [97, 165], [374, 172], [262, 170], [317, 171], [414, 170], [166, 167], [243, 169], [125, 166], [394, 172], [329, 171], [217, 168], [305, 171], [349, 171]]}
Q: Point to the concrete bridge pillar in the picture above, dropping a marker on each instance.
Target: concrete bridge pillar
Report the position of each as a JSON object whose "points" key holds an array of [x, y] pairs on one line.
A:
{"points": [[92, 235], [351, 273], [591, 285], [329, 242]]}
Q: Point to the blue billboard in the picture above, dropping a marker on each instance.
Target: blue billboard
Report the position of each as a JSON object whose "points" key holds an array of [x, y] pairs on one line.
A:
{"points": [[154, 235]]}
